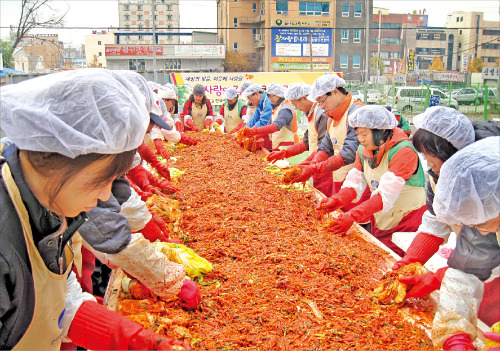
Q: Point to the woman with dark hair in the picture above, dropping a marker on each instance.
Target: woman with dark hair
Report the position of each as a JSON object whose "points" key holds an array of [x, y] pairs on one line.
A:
{"points": [[198, 113], [66, 154], [388, 165]]}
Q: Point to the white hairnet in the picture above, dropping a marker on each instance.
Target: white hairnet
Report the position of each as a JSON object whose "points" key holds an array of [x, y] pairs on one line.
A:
{"points": [[373, 117], [152, 102], [245, 85], [468, 190], [449, 124], [276, 89], [325, 84], [173, 87], [297, 90], [75, 113], [251, 89], [230, 93], [166, 93], [153, 85]]}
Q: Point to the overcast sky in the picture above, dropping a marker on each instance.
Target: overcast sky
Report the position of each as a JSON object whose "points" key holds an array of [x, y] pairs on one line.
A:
{"points": [[203, 13]]}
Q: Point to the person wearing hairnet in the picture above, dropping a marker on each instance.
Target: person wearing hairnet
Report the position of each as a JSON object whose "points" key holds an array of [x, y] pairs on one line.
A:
{"points": [[402, 122], [198, 113], [283, 125], [442, 131], [389, 166], [337, 151], [250, 108], [233, 110], [257, 97], [297, 94], [467, 194], [48, 182]]}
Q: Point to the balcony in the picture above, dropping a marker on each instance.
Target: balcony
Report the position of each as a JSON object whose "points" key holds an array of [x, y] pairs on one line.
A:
{"points": [[260, 41]]}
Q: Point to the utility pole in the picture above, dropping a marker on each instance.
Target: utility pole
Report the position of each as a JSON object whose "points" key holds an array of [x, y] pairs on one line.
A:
{"points": [[311, 48], [153, 8], [379, 39], [367, 45]]}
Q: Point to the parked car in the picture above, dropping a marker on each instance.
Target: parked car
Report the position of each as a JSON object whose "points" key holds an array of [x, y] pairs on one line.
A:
{"points": [[412, 99], [374, 97], [358, 95], [466, 96], [492, 95]]}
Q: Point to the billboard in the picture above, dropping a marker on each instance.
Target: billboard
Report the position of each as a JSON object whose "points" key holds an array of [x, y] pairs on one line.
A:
{"points": [[411, 60], [295, 43], [216, 83], [206, 51], [133, 50]]}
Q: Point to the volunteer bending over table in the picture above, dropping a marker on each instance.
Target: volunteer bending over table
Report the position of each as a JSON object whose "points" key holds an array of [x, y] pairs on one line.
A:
{"points": [[283, 125], [68, 154], [467, 193], [297, 94], [388, 164]]}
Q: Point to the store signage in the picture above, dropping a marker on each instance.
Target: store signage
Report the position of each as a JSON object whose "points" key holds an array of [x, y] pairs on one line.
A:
{"points": [[134, 50]]}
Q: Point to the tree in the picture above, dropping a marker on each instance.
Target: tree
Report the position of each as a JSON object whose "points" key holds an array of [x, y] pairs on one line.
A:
{"points": [[32, 17], [7, 54], [437, 64], [240, 62], [94, 62], [476, 65], [381, 64]]}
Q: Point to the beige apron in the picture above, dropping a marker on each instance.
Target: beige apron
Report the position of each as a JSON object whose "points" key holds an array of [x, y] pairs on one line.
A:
{"points": [[311, 128], [232, 117], [45, 329], [456, 228], [198, 115], [338, 135], [410, 199], [284, 134]]}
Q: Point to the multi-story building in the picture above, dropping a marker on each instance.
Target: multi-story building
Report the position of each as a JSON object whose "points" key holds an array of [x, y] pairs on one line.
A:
{"points": [[95, 46], [46, 46], [136, 21], [477, 38], [280, 34]]}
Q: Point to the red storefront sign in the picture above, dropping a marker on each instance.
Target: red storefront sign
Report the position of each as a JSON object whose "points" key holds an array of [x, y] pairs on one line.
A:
{"points": [[132, 50]]}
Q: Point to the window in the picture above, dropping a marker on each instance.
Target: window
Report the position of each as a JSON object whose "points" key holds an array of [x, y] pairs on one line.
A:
{"points": [[136, 65], [235, 0], [127, 37], [169, 17], [139, 26], [126, 7], [254, 32], [162, 1], [459, 45], [141, 37], [169, 7], [409, 18], [311, 8], [139, 8], [357, 9], [98, 42], [345, 36], [100, 53], [281, 7], [127, 17], [387, 41], [172, 64], [235, 22], [355, 61], [139, 17], [458, 19], [254, 7], [344, 61], [235, 47], [461, 19], [127, 26], [461, 32], [345, 9], [491, 32], [357, 36]]}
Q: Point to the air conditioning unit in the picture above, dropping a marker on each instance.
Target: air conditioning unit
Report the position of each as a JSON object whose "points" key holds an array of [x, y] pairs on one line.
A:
{"points": [[258, 37]]}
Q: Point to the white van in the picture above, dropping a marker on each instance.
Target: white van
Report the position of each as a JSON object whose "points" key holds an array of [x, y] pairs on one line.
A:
{"points": [[412, 99]]}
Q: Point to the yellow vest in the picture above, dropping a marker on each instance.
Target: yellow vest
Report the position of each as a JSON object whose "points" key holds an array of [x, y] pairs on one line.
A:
{"points": [[45, 329], [410, 199], [198, 115], [311, 128], [284, 134]]}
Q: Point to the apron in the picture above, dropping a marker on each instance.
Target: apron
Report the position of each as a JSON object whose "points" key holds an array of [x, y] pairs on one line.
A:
{"points": [[311, 128], [338, 135], [232, 117], [284, 135], [198, 115], [45, 329], [456, 228], [411, 197]]}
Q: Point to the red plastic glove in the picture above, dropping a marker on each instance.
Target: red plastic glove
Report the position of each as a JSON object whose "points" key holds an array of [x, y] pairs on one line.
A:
{"points": [[179, 126], [343, 197], [219, 121], [259, 143], [186, 140], [459, 342], [161, 224], [162, 170], [331, 164], [424, 284], [160, 149], [357, 214], [266, 130], [250, 132], [307, 172], [309, 159], [295, 149], [276, 155], [166, 185], [207, 123], [189, 295], [94, 327], [139, 176], [423, 247], [238, 127], [191, 125], [152, 232]]}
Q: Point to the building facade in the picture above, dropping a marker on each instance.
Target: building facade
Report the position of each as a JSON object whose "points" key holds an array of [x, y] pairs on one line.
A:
{"points": [[95, 46], [46, 46], [136, 21]]}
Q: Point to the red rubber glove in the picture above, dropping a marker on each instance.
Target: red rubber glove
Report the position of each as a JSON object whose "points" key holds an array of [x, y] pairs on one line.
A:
{"points": [[459, 342], [152, 232], [179, 126], [166, 185], [423, 247], [160, 149], [307, 172], [276, 155], [161, 224], [207, 123], [219, 121], [424, 284], [357, 214], [162, 170], [318, 156], [295, 149], [191, 125], [250, 132], [186, 140], [143, 194], [189, 295], [266, 130], [94, 327], [343, 197], [309, 159], [259, 143], [331, 164], [139, 176], [149, 156], [238, 127]]}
